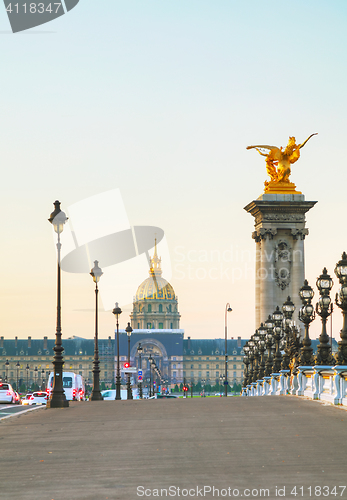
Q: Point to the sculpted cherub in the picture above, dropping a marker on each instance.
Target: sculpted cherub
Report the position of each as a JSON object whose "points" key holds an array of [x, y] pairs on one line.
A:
{"points": [[278, 161]]}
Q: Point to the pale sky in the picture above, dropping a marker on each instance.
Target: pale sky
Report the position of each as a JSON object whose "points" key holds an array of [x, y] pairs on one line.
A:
{"points": [[159, 99]]}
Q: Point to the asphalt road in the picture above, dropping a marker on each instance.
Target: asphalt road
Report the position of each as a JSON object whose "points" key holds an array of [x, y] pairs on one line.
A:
{"points": [[267, 447], [6, 410]]}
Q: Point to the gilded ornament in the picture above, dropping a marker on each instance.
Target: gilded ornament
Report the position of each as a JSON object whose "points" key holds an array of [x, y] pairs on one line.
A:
{"points": [[278, 163]]}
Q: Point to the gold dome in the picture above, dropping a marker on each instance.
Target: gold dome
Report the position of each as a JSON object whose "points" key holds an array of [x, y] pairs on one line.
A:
{"points": [[155, 287]]}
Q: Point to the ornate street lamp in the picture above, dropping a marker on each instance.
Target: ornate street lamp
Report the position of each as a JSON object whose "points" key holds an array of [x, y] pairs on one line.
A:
{"points": [[246, 363], [96, 395], [277, 318], [43, 386], [269, 325], [261, 343], [117, 311], [288, 309], [256, 354], [140, 350], [6, 368], [306, 316], [341, 302], [27, 370], [129, 392], [324, 308], [17, 366], [58, 399], [251, 359], [227, 309], [35, 377], [150, 360]]}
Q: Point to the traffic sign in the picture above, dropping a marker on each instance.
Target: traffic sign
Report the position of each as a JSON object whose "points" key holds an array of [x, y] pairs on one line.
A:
{"points": [[139, 378], [139, 373], [130, 369]]}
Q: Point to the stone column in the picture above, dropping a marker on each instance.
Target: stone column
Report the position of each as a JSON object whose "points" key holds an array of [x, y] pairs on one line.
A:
{"points": [[257, 276], [279, 231], [298, 269]]}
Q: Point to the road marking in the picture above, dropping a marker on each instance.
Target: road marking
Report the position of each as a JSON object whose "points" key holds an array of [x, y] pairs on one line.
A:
{"points": [[21, 412]]}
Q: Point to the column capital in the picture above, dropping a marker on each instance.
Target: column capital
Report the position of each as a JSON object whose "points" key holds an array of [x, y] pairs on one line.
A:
{"points": [[263, 234], [299, 234]]}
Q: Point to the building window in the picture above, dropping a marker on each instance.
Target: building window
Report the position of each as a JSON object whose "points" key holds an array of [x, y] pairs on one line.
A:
{"points": [[191, 375], [199, 374], [207, 358], [171, 326], [234, 374], [138, 326], [161, 326], [174, 374], [169, 308], [217, 374], [217, 367], [199, 367], [149, 325], [173, 358], [160, 308], [207, 367], [207, 374], [149, 308], [234, 367], [174, 367], [192, 367], [80, 367]]}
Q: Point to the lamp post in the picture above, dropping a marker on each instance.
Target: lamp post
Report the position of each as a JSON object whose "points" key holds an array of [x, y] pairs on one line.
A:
{"points": [[6, 367], [269, 325], [35, 377], [261, 343], [117, 311], [324, 308], [96, 395], [306, 316], [288, 309], [251, 359], [43, 386], [27, 370], [246, 363], [277, 318], [227, 309], [341, 302], [58, 400], [18, 366], [150, 375], [129, 392], [140, 350], [256, 354]]}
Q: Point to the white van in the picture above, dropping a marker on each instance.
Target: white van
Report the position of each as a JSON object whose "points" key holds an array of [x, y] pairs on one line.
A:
{"points": [[73, 386]]}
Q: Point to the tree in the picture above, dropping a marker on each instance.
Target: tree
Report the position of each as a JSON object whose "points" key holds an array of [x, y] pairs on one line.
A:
{"points": [[176, 389]]}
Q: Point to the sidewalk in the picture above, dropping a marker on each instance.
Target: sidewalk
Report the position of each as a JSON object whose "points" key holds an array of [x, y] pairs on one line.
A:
{"points": [[107, 449]]}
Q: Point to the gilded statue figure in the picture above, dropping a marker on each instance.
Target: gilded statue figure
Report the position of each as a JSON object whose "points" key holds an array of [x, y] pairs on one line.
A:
{"points": [[278, 161]]}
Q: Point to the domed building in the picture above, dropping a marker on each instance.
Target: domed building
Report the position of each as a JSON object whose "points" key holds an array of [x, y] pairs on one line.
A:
{"points": [[155, 304]]}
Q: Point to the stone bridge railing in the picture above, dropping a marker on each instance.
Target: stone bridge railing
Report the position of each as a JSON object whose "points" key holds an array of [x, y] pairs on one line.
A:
{"points": [[326, 383]]}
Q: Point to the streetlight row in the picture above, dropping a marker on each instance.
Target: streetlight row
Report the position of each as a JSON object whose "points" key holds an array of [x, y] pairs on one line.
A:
{"points": [[58, 399], [279, 333]]}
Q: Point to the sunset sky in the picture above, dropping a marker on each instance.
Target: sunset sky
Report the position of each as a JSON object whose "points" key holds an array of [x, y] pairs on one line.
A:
{"points": [[156, 101]]}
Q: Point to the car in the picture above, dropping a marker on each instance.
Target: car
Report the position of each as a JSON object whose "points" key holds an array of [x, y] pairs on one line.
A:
{"points": [[17, 396], [7, 394], [37, 398], [25, 400], [110, 394]]}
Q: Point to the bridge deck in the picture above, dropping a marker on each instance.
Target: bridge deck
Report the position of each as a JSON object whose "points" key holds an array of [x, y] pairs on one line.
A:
{"points": [[105, 450]]}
